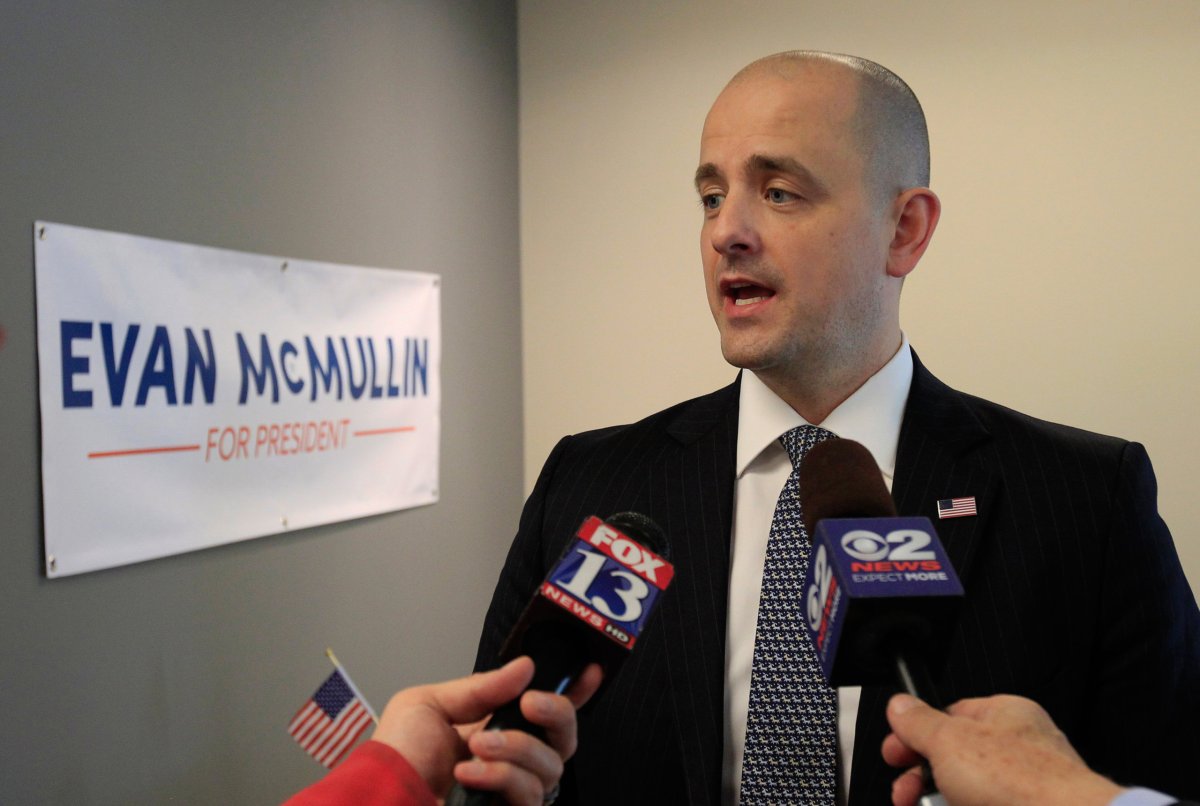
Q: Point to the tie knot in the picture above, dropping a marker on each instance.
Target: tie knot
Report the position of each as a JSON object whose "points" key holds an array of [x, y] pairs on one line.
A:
{"points": [[800, 439]]}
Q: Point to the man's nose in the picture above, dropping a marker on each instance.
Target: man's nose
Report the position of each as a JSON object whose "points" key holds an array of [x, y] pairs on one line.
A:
{"points": [[734, 230]]}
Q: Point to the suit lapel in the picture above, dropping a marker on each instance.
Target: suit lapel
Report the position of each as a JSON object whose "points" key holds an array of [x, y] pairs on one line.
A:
{"points": [[938, 457], [692, 491]]}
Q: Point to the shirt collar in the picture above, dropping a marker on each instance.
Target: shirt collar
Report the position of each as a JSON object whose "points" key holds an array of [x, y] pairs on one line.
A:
{"points": [[871, 415]]}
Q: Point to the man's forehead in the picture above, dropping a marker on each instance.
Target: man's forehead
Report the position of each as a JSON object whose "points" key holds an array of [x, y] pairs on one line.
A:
{"points": [[775, 117], [798, 121], [818, 93]]}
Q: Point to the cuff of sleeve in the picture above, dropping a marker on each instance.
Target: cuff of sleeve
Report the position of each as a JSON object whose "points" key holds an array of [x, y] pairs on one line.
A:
{"points": [[407, 779], [1142, 797]]}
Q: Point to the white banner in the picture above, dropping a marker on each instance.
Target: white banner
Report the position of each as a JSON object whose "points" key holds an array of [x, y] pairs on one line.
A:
{"points": [[194, 396]]}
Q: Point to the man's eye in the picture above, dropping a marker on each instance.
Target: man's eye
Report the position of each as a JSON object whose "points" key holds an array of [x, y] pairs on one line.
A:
{"points": [[711, 201], [779, 196]]}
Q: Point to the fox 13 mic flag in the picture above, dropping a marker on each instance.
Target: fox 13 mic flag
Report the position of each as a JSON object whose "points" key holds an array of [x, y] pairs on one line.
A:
{"points": [[332, 719]]}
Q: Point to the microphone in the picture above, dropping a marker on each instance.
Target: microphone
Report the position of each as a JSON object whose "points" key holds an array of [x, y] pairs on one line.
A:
{"points": [[880, 593], [591, 608]]}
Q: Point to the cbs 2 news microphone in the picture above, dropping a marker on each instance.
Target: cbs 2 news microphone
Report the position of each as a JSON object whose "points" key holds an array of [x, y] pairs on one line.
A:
{"points": [[591, 608], [881, 596]]}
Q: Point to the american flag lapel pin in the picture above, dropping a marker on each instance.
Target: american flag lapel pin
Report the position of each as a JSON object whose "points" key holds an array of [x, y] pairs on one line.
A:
{"points": [[956, 507]]}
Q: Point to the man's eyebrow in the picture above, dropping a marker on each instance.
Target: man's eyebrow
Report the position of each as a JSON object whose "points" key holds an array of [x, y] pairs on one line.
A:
{"points": [[762, 163], [706, 171]]}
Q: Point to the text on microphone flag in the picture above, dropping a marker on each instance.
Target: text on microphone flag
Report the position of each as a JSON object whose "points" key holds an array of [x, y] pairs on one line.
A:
{"points": [[608, 581], [639, 559]]}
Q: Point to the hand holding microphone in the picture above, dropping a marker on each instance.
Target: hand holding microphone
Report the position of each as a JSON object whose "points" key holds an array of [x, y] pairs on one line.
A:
{"points": [[987, 752], [430, 729]]}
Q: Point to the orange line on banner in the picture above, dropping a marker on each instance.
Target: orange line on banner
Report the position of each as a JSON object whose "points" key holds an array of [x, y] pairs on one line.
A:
{"points": [[140, 451], [378, 431]]}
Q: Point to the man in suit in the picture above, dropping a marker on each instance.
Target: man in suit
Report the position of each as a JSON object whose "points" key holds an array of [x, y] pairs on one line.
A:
{"points": [[813, 178]]}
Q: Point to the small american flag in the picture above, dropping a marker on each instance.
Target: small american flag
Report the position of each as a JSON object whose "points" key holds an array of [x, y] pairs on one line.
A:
{"points": [[956, 507], [332, 719]]}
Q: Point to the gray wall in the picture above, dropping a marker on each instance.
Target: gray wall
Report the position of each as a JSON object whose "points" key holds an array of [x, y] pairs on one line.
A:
{"points": [[380, 134]]}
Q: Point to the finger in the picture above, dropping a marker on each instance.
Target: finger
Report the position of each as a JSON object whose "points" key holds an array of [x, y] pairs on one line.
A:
{"points": [[907, 787], [468, 699], [515, 784], [586, 685], [913, 722], [897, 754], [972, 707], [471, 728], [555, 713], [521, 750]]}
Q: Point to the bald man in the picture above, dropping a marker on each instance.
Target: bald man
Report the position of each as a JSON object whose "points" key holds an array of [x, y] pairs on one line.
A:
{"points": [[813, 179]]}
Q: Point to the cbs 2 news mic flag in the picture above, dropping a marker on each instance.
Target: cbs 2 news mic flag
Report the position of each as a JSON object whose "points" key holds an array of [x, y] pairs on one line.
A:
{"points": [[873, 582]]}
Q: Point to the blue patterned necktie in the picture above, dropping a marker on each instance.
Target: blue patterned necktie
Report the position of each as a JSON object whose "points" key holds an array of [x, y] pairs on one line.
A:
{"points": [[791, 725]]}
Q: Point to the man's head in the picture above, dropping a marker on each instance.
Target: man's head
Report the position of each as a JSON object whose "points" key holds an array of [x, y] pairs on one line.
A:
{"points": [[812, 176]]}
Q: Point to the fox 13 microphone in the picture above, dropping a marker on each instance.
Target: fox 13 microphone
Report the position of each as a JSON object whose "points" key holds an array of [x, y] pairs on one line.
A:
{"points": [[591, 608], [881, 594]]}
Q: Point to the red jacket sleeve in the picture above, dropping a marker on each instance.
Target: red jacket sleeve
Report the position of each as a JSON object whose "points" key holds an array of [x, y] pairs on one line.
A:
{"points": [[373, 775]]}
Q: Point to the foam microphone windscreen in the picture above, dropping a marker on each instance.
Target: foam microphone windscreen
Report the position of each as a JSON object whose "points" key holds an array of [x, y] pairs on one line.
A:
{"points": [[643, 529], [839, 479]]}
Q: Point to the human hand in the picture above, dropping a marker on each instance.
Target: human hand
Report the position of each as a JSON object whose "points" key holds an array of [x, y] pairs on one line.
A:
{"points": [[437, 725], [991, 750]]}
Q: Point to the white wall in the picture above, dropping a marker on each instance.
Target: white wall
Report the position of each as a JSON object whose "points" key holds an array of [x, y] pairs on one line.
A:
{"points": [[1063, 277]]}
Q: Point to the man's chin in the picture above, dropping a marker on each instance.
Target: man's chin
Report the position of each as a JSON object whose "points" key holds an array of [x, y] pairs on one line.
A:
{"points": [[742, 358]]}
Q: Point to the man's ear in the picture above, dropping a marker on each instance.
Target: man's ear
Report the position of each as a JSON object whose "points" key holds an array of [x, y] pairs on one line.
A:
{"points": [[916, 212]]}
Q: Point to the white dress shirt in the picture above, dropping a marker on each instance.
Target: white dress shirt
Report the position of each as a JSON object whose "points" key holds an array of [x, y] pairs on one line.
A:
{"points": [[872, 416]]}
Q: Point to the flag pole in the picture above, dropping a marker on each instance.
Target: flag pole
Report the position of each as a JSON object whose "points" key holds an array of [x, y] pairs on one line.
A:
{"points": [[346, 676]]}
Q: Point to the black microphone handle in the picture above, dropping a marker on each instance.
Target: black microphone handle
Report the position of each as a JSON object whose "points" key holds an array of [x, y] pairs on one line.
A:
{"points": [[558, 660], [913, 676]]}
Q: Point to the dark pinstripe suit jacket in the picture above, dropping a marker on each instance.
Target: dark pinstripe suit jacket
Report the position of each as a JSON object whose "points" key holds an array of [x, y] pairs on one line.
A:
{"points": [[1075, 595]]}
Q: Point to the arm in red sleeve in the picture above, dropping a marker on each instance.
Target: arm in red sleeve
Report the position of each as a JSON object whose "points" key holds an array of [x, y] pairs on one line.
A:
{"points": [[373, 775]]}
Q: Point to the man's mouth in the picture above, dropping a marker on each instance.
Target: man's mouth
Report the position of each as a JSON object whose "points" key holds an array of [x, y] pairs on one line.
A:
{"points": [[746, 293]]}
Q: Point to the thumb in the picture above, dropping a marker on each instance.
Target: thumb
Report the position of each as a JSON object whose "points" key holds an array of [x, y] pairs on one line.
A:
{"points": [[914, 722], [468, 699]]}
